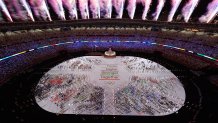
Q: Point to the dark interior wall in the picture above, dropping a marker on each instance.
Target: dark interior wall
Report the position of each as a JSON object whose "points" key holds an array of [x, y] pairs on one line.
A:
{"points": [[15, 65]]}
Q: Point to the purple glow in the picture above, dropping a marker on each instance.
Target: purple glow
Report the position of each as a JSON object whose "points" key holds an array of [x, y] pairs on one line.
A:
{"points": [[212, 11], [5, 10], [175, 5], [84, 10], [158, 10], [131, 8], [40, 9], [106, 8], [95, 8], [27, 7], [119, 5], [188, 9], [146, 4], [16, 10], [58, 8], [71, 6]]}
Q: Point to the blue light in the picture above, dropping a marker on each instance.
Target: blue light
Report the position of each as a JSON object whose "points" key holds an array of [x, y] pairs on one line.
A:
{"points": [[109, 43], [6, 58]]}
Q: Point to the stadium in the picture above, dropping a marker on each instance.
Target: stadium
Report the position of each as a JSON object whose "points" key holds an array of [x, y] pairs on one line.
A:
{"points": [[109, 61]]}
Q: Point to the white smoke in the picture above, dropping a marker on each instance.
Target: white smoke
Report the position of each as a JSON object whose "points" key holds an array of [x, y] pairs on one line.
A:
{"points": [[175, 5], [58, 8], [5, 10], [71, 7], [27, 7], [100, 8], [44, 11], [119, 5], [95, 8], [188, 9], [40, 9], [131, 8], [84, 10], [106, 8], [16, 10], [61, 10], [146, 4], [159, 9], [212, 11]]}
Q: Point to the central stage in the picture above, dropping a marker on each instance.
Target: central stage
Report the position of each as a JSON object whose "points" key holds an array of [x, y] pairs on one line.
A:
{"points": [[110, 86]]}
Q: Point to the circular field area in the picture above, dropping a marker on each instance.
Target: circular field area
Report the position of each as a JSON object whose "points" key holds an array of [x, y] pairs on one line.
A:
{"points": [[97, 85]]}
